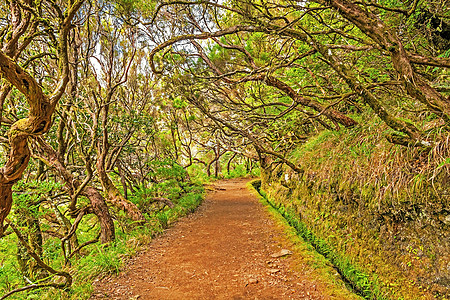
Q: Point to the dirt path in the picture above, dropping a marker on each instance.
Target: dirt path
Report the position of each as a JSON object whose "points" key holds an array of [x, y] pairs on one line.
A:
{"points": [[223, 251]]}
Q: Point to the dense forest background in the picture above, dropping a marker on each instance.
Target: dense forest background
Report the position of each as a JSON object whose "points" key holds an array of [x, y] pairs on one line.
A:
{"points": [[114, 113]]}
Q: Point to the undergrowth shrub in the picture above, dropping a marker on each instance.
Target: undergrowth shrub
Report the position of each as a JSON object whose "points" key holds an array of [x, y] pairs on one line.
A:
{"points": [[238, 171]]}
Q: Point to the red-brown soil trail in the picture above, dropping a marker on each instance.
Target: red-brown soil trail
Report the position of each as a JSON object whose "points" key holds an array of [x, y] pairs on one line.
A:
{"points": [[222, 251]]}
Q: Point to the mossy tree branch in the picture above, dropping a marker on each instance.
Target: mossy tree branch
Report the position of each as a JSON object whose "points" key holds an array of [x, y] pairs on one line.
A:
{"points": [[379, 32]]}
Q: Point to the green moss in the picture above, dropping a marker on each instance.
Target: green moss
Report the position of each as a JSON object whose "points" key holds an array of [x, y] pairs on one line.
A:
{"points": [[370, 200]]}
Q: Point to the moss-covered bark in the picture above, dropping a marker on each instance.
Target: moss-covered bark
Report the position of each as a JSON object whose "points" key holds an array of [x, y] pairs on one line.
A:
{"points": [[33, 236], [38, 122], [117, 199], [41, 105]]}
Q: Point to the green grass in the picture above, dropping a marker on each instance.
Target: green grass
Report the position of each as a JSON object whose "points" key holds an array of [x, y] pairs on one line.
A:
{"points": [[95, 260]]}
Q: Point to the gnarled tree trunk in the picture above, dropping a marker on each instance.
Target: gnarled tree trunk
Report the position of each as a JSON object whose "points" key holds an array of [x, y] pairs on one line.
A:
{"points": [[33, 236], [38, 122], [41, 106], [99, 207], [115, 197]]}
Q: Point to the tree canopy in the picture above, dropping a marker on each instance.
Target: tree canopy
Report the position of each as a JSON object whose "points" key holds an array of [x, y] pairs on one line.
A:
{"points": [[107, 103]]}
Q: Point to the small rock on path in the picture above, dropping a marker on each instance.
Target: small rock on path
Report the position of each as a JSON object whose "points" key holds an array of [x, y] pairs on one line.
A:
{"points": [[225, 250]]}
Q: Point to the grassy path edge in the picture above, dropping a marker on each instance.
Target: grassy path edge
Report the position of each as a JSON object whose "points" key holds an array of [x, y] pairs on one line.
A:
{"points": [[324, 256]]}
